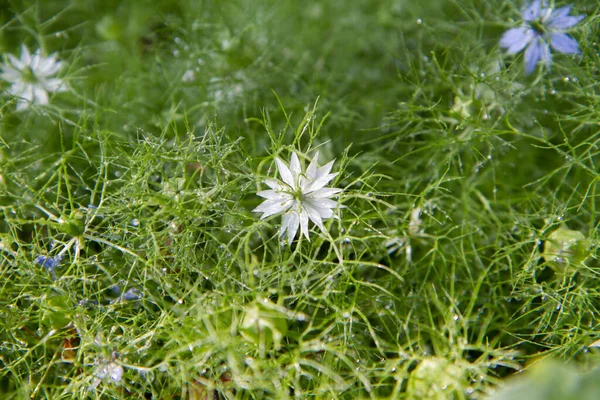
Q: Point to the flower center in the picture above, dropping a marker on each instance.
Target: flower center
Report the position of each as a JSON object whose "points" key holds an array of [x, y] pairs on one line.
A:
{"points": [[538, 26], [298, 195], [29, 75]]}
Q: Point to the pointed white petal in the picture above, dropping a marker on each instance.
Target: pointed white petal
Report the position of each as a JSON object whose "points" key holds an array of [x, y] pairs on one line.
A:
{"points": [[313, 166], [304, 224], [16, 62], [50, 66], [304, 183], [325, 193], [35, 61], [42, 64], [324, 210], [295, 165], [314, 215], [273, 184], [321, 203], [27, 92], [290, 224], [55, 85], [10, 74], [274, 194], [320, 183], [286, 174], [22, 105], [272, 207], [324, 170], [40, 96], [25, 55], [17, 88]]}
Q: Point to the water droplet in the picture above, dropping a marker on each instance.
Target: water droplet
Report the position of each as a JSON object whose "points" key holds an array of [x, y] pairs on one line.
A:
{"points": [[419, 21]]}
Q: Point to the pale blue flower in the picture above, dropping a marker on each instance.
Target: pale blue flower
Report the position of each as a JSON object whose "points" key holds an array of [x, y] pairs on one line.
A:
{"points": [[543, 27]]}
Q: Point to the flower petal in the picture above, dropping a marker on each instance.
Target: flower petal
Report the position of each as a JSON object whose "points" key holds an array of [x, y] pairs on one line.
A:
{"points": [[532, 12], [304, 223], [325, 210], [545, 54], [272, 207], [321, 203], [16, 62], [290, 224], [295, 165], [273, 194], [315, 216], [9, 74], [273, 184], [532, 55], [39, 95], [319, 183], [311, 171], [22, 105], [286, 174], [50, 66], [564, 22], [35, 61], [515, 39], [27, 92], [17, 89], [560, 12], [25, 55], [55, 85], [324, 193], [564, 43], [324, 170]]}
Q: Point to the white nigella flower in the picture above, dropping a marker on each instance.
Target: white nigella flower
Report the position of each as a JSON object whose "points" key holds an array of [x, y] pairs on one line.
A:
{"points": [[300, 196], [31, 77]]}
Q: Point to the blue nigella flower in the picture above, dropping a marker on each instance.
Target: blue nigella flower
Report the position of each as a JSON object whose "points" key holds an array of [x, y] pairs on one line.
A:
{"points": [[129, 295], [132, 294], [543, 28], [50, 263]]}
